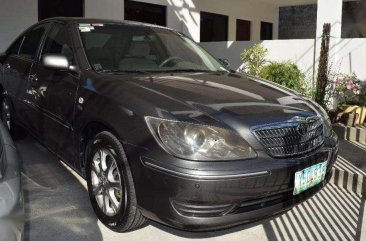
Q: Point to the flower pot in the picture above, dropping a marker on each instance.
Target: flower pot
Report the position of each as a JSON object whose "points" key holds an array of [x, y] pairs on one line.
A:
{"points": [[332, 105]]}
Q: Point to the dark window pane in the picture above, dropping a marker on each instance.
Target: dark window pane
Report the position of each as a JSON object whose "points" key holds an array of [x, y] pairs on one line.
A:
{"points": [[58, 42], [297, 22], [266, 31], [145, 12], [214, 27], [243, 29], [14, 48], [354, 19], [31, 42], [60, 8]]}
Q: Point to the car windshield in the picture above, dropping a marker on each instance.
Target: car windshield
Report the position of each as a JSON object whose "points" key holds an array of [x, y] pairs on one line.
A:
{"points": [[135, 48]]}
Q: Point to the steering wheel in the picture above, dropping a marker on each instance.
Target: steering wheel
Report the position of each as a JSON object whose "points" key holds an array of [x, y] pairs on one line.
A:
{"points": [[169, 60]]}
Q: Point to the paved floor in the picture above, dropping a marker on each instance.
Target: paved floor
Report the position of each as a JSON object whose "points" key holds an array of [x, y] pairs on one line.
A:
{"points": [[58, 208]]}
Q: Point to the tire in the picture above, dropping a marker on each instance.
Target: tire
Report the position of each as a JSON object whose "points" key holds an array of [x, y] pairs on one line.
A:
{"points": [[112, 194], [15, 130]]}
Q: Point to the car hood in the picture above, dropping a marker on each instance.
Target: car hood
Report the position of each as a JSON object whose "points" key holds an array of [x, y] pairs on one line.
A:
{"points": [[222, 97], [225, 96]]}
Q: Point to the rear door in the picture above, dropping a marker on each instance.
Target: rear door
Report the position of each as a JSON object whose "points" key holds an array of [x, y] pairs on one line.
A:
{"points": [[17, 66], [53, 94]]}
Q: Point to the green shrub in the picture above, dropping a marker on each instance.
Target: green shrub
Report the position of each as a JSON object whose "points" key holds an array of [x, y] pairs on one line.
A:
{"points": [[286, 74], [254, 59], [283, 73]]}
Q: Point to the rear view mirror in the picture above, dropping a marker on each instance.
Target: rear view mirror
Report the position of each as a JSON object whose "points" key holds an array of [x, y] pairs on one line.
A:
{"points": [[57, 62]]}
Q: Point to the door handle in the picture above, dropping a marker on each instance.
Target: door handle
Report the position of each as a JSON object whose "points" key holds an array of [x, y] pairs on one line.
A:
{"points": [[33, 78]]}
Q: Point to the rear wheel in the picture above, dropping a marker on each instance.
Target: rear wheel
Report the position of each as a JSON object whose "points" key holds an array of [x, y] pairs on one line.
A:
{"points": [[15, 130], [110, 184]]}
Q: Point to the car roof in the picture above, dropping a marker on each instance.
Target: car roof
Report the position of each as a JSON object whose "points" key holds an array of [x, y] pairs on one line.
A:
{"points": [[101, 21]]}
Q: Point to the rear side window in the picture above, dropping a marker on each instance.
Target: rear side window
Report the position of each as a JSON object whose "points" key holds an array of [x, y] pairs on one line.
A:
{"points": [[30, 44], [58, 42], [14, 48]]}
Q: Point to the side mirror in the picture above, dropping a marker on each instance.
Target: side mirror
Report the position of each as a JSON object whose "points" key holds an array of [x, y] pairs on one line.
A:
{"points": [[225, 62], [56, 62]]}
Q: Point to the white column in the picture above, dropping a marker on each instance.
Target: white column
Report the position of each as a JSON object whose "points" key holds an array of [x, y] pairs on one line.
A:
{"points": [[108, 9], [329, 11], [191, 19]]}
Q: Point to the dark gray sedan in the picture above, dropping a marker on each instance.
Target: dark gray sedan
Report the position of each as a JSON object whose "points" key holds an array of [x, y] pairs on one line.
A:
{"points": [[159, 128]]}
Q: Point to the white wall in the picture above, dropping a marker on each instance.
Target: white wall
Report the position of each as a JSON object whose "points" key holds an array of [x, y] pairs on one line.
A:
{"points": [[299, 51], [349, 56], [109, 9], [15, 17], [253, 11], [182, 15]]}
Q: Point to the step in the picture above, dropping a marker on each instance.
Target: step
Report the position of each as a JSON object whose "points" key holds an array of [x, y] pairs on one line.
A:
{"points": [[348, 176], [355, 134]]}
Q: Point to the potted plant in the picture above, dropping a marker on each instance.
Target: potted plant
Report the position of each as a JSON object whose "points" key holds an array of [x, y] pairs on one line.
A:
{"points": [[348, 93]]}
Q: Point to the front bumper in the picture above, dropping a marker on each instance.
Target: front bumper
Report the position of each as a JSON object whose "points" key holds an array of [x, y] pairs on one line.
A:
{"points": [[202, 199]]}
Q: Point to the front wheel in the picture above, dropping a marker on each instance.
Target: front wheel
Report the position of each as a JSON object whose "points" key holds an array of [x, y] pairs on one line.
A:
{"points": [[110, 184]]}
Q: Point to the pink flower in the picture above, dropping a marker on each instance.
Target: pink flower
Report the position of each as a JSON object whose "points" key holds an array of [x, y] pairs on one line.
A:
{"points": [[350, 86]]}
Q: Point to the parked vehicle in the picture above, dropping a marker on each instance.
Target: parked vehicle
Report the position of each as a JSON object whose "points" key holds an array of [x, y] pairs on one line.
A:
{"points": [[11, 194], [160, 129]]}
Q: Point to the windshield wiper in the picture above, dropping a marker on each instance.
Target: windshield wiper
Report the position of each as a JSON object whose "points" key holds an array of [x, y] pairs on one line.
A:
{"points": [[193, 71], [107, 71]]}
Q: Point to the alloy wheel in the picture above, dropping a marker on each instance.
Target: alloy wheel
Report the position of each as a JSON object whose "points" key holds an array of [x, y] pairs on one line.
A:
{"points": [[106, 182]]}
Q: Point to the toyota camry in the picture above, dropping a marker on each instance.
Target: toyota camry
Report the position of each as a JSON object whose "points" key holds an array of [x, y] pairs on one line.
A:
{"points": [[159, 128]]}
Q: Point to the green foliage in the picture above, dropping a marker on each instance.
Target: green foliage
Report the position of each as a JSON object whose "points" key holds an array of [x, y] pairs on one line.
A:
{"points": [[286, 74], [363, 94], [254, 59], [283, 73]]}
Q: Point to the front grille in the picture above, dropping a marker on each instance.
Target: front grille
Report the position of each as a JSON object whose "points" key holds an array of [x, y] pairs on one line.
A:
{"points": [[295, 137]]}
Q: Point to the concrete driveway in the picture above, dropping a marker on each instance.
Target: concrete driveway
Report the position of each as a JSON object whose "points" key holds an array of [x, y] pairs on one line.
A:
{"points": [[58, 208]]}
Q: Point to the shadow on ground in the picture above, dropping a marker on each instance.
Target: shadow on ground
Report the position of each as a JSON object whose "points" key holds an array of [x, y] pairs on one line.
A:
{"points": [[56, 204], [353, 153], [58, 208]]}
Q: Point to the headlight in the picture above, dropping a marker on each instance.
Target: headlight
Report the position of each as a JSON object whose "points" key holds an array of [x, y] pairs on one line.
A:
{"points": [[199, 142]]}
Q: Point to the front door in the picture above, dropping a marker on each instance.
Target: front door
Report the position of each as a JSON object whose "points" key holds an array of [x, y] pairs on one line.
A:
{"points": [[53, 94]]}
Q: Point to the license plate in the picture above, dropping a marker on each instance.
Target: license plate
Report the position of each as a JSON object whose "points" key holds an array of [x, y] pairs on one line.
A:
{"points": [[309, 177]]}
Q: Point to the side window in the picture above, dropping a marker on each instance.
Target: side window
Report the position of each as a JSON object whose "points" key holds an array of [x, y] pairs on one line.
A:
{"points": [[14, 48], [58, 42], [30, 44]]}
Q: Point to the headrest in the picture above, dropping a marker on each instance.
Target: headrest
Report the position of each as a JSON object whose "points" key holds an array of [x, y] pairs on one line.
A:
{"points": [[139, 49]]}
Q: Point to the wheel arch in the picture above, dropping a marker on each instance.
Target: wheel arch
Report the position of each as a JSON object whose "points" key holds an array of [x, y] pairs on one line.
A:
{"points": [[90, 130]]}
